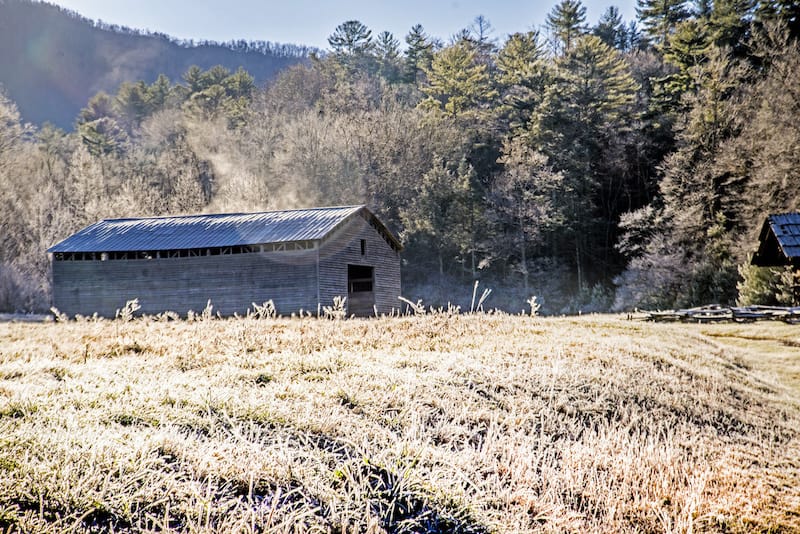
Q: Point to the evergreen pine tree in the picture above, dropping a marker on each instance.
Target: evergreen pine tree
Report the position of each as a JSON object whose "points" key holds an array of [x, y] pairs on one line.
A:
{"points": [[522, 77], [419, 54], [387, 50], [566, 22], [457, 83], [660, 18], [351, 38], [612, 30]]}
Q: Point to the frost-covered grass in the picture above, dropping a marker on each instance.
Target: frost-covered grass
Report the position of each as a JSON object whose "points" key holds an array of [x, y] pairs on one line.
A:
{"points": [[438, 423]]}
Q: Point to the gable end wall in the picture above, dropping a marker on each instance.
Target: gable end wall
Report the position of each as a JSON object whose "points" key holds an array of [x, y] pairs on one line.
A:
{"points": [[343, 247]]}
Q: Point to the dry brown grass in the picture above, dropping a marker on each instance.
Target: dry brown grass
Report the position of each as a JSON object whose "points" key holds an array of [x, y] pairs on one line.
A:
{"points": [[472, 423]]}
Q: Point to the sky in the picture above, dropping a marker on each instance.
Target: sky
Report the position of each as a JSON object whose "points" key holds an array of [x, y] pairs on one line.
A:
{"points": [[309, 22]]}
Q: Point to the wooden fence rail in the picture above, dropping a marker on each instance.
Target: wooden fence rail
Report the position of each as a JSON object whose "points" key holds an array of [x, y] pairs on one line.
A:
{"points": [[716, 313]]}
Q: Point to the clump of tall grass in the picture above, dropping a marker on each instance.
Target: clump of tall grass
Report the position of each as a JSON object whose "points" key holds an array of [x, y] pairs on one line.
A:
{"points": [[264, 311], [127, 312], [337, 311]]}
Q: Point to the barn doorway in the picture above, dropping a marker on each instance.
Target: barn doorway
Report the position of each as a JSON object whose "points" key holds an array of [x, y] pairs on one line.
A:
{"points": [[360, 290]]}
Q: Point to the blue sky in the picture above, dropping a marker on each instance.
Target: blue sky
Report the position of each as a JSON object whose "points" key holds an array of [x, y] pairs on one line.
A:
{"points": [[309, 22]]}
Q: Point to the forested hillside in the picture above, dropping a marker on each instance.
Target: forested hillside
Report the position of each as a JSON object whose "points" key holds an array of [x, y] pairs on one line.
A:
{"points": [[54, 60], [597, 166]]}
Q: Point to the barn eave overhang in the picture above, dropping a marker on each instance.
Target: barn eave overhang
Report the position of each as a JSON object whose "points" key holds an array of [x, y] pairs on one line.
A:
{"points": [[110, 255]]}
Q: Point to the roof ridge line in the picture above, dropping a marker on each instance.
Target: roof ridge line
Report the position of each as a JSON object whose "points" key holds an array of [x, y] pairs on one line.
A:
{"points": [[232, 214]]}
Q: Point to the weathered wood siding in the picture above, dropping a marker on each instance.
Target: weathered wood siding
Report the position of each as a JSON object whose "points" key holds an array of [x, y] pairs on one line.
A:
{"points": [[343, 247], [231, 282]]}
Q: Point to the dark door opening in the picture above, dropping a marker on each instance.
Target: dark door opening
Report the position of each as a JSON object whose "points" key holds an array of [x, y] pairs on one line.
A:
{"points": [[360, 292]]}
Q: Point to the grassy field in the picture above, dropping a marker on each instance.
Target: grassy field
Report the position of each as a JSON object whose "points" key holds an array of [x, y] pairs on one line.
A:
{"points": [[437, 423]]}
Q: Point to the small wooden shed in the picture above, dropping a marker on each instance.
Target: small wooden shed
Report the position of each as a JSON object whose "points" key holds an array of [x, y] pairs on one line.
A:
{"points": [[779, 242], [299, 259]]}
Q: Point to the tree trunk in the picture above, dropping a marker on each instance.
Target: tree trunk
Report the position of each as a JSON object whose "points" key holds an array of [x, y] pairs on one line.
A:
{"points": [[441, 269], [474, 269], [523, 260]]}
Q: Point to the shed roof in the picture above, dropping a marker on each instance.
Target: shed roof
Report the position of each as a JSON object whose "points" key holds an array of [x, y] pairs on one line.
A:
{"points": [[779, 241], [216, 230]]}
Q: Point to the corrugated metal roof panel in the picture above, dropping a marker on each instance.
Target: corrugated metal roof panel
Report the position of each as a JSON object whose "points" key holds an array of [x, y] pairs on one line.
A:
{"points": [[199, 231], [779, 241], [786, 227], [785, 218]]}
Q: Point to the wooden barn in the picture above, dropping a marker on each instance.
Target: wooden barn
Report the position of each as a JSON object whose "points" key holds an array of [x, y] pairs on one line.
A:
{"points": [[779, 242], [299, 259]]}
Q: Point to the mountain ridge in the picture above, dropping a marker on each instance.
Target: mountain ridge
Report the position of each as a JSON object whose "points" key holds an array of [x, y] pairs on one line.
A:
{"points": [[54, 59]]}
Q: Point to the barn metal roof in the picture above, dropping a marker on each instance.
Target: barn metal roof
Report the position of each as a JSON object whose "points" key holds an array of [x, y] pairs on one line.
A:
{"points": [[218, 230], [779, 242]]}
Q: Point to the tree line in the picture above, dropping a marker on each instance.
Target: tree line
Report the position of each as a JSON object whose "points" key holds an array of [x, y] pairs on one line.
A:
{"points": [[605, 166], [267, 48]]}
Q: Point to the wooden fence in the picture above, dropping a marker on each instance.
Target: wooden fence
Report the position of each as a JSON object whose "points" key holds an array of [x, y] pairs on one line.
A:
{"points": [[716, 313]]}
